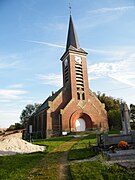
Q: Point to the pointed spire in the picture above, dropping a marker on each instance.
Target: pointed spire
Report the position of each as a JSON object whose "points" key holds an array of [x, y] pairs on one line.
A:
{"points": [[72, 39]]}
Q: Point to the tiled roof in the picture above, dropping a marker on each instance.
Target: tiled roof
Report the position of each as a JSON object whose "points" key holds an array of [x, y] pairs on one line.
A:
{"points": [[50, 98], [72, 36]]}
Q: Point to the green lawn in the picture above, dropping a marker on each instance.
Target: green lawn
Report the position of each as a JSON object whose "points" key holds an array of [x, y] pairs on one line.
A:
{"points": [[98, 171], [18, 166], [46, 164], [82, 149], [49, 168], [52, 142]]}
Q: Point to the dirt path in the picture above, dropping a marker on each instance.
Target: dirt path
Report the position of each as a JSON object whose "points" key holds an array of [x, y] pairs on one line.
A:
{"points": [[64, 168], [64, 172], [55, 165]]}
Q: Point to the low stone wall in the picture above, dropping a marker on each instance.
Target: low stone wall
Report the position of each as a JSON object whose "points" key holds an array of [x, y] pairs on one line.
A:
{"points": [[112, 139], [121, 155]]}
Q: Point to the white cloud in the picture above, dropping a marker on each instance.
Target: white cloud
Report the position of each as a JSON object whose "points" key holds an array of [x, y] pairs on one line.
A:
{"points": [[16, 86], [9, 61], [9, 64], [12, 100], [7, 95], [115, 9], [119, 66], [122, 70], [51, 79], [46, 43], [9, 116], [118, 54], [97, 17]]}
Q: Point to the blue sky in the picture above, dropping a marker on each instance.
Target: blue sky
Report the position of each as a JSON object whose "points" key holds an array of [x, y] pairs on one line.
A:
{"points": [[33, 34]]}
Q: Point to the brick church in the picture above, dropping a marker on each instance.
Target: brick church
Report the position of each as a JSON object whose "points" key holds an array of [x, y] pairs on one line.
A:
{"points": [[74, 107]]}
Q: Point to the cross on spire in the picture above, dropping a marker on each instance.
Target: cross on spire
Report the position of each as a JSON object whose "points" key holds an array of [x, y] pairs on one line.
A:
{"points": [[70, 8]]}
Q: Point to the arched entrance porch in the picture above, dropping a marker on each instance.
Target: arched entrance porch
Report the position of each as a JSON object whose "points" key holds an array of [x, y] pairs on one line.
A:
{"points": [[80, 122]]}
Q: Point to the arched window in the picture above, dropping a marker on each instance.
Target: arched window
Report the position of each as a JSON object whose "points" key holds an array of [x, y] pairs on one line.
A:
{"points": [[78, 95], [83, 96]]}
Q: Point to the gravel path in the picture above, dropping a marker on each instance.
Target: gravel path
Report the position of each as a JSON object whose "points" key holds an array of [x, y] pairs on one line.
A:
{"points": [[95, 158]]}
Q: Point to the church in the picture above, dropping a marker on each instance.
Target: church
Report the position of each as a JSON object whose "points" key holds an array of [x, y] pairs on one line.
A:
{"points": [[74, 107]]}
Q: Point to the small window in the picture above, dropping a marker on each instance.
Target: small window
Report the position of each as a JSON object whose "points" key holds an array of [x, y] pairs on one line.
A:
{"points": [[78, 96], [83, 96]]}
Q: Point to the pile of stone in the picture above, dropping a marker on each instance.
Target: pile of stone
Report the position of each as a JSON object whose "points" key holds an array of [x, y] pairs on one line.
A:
{"points": [[14, 145]]}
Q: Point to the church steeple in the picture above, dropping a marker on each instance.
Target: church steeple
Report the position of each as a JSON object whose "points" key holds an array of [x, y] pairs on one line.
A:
{"points": [[72, 40]]}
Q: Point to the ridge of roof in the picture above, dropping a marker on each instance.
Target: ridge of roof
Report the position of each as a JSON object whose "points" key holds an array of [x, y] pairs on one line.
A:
{"points": [[50, 98]]}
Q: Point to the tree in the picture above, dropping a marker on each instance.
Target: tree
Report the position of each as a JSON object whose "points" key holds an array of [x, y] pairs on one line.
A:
{"points": [[11, 127], [112, 107], [110, 102], [132, 112], [132, 115], [114, 119], [28, 111], [15, 126]]}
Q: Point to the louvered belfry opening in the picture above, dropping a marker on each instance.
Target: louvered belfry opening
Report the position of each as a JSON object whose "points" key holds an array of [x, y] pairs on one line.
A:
{"points": [[79, 81]]}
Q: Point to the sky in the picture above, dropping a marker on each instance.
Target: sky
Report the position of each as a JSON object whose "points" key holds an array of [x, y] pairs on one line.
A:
{"points": [[33, 36]]}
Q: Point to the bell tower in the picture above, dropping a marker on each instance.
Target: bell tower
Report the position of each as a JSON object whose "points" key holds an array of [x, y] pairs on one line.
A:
{"points": [[74, 66]]}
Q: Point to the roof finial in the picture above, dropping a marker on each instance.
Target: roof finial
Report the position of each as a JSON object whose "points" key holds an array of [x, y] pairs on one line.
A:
{"points": [[70, 6]]}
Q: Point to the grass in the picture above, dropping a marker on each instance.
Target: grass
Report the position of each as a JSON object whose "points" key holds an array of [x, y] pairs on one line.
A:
{"points": [[52, 143], [18, 166], [99, 171], [46, 165], [114, 132], [48, 168], [82, 149]]}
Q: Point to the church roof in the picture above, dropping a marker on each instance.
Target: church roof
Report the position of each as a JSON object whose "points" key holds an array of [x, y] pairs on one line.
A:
{"points": [[72, 39], [50, 98]]}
